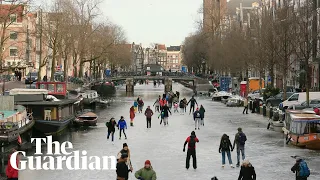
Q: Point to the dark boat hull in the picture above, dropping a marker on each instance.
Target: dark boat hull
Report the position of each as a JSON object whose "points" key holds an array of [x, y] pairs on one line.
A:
{"points": [[86, 122], [13, 135], [103, 89], [52, 127]]}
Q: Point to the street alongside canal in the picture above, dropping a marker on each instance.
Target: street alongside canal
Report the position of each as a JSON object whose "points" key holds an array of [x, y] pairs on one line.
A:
{"points": [[163, 146]]}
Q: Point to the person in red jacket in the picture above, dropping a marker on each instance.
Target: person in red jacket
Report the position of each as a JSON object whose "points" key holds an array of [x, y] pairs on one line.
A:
{"points": [[191, 141], [132, 115], [12, 173]]}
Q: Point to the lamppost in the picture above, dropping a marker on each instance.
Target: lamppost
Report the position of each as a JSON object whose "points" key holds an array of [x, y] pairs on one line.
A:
{"points": [[30, 65]]}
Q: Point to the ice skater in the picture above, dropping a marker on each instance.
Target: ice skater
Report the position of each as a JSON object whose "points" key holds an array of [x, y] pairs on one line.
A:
{"points": [[202, 111], [192, 102], [224, 148], [148, 113], [191, 141], [175, 107], [132, 115], [166, 112], [111, 125], [122, 124], [197, 119]]}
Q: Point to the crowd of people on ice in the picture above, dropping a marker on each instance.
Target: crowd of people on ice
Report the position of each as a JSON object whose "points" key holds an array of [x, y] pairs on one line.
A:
{"points": [[163, 106]]}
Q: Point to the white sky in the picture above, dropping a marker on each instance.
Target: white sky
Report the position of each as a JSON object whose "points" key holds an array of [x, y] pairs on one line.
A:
{"points": [[154, 21], [151, 21]]}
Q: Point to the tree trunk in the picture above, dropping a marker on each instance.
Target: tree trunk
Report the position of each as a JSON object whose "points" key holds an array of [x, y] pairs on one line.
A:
{"points": [[75, 66], [65, 64]]}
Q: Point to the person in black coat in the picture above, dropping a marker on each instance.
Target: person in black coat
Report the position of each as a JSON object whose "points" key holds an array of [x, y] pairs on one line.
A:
{"points": [[224, 148], [165, 111], [247, 171], [111, 125], [122, 168]]}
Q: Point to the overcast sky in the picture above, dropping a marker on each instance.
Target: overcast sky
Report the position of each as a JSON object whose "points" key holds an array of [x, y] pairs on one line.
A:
{"points": [[151, 21], [154, 21]]}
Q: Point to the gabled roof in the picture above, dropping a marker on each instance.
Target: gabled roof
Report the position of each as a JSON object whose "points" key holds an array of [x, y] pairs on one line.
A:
{"points": [[161, 47]]}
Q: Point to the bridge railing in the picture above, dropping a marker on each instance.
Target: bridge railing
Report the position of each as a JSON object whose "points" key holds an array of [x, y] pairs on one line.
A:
{"points": [[167, 74]]}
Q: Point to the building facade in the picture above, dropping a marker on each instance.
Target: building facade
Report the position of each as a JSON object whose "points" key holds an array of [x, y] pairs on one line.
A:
{"points": [[174, 59], [161, 52], [18, 50]]}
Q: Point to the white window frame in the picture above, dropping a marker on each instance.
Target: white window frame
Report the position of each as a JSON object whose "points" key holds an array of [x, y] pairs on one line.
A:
{"points": [[16, 17], [10, 51], [14, 32]]}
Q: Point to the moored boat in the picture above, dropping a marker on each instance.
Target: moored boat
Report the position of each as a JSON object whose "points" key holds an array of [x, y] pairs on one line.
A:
{"points": [[221, 95], [86, 119], [51, 117], [304, 130], [14, 123]]}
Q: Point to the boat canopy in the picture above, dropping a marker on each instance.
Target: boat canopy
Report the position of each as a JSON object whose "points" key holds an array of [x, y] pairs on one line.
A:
{"points": [[17, 91]]}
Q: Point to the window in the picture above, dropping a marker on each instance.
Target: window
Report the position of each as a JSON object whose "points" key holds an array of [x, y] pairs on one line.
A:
{"points": [[13, 18], [294, 97], [13, 35], [148, 68], [174, 56], [13, 51], [9, 63]]}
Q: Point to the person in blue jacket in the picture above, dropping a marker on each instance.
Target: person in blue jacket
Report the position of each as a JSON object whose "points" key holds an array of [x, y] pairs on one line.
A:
{"points": [[122, 124]]}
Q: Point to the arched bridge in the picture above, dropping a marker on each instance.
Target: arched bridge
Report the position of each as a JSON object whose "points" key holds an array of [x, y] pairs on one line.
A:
{"points": [[174, 78]]}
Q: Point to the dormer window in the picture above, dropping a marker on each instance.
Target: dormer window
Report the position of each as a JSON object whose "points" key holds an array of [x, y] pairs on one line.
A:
{"points": [[13, 18]]}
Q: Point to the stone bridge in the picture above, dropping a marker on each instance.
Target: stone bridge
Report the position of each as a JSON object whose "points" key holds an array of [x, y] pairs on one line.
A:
{"points": [[130, 80]]}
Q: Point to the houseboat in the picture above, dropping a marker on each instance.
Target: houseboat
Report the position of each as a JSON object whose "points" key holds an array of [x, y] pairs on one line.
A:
{"points": [[304, 130], [51, 117], [57, 89], [104, 88], [15, 122], [90, 97]]}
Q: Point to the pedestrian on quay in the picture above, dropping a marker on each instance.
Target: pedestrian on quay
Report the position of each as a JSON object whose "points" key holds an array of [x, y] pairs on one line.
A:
{"points": [[192, 102], [11, 173], [245, 105], [182, 106], [146, 173], [202, 111], [111, 125], [247, 171], [148, 113], [122, 125], [301, 169], [157, 104], [191, 141], [240, 141], [125, 150], [132, 115], [224, 148], [122, 168], [197, 119], [166, 112]]}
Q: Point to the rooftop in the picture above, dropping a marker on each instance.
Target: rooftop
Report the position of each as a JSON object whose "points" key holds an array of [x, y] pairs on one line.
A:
{"points": [[174, 48], [7, 114], [48, 103]]}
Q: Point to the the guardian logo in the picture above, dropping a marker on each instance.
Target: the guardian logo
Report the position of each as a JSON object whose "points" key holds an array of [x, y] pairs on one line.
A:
{"points": [[72, 160]]}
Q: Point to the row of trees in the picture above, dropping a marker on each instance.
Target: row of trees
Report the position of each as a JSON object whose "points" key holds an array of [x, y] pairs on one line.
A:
{"points": [[71, 32], [271, 43]]}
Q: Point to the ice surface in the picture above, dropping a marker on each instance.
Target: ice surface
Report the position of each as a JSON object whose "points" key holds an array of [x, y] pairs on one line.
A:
{"points": [[163, 145]]}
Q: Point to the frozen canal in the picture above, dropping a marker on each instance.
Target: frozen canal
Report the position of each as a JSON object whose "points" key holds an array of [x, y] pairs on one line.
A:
{"points": [[163, 145]]}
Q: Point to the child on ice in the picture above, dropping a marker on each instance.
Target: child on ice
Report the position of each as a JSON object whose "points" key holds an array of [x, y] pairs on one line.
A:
{"points": [[162, 116], [135, 105], [176, 106]]}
